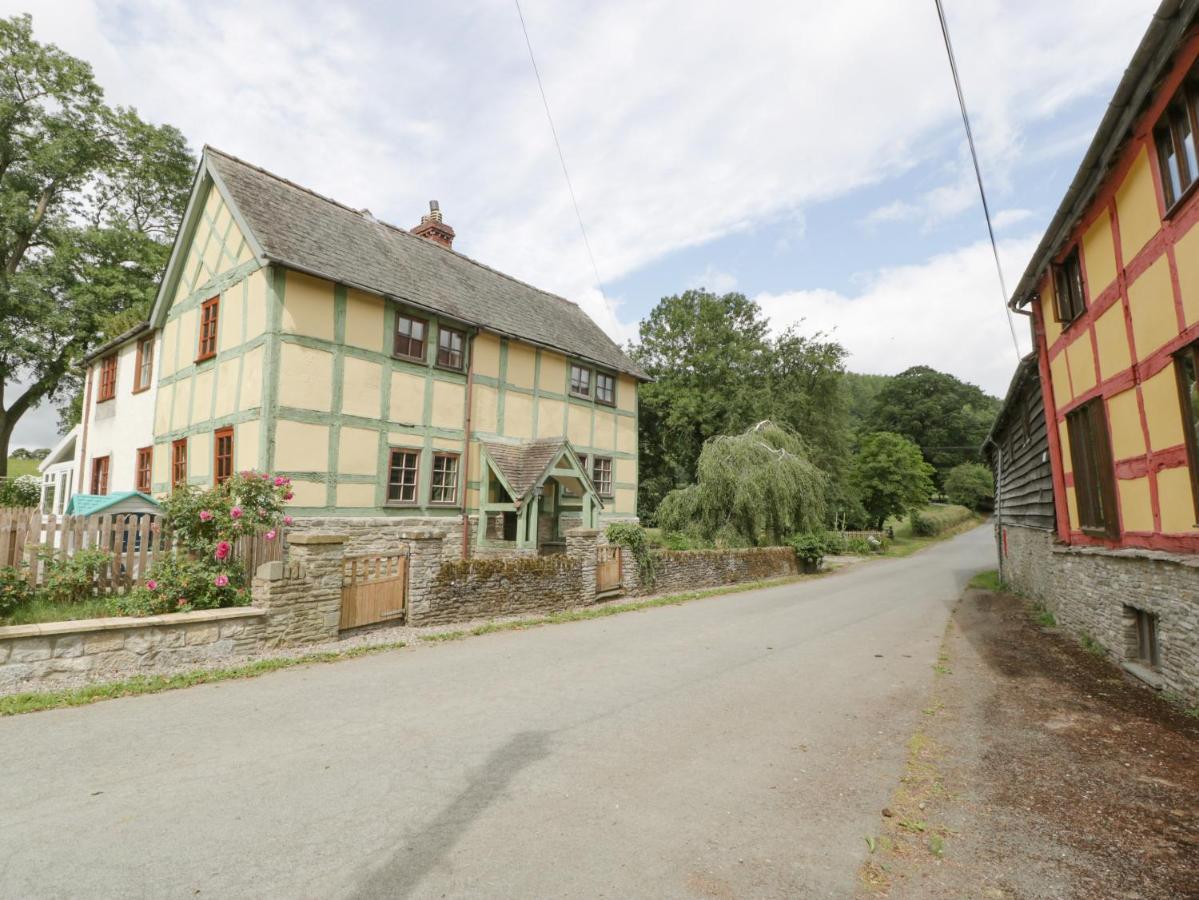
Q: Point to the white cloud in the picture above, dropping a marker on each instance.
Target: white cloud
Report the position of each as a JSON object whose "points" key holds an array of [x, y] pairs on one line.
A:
{"points": [[945, 312], [1006, 218], [713, 279]]}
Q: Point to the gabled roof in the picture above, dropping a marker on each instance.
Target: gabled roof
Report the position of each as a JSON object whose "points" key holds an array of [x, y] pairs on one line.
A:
{"points": [[94, 504], [63, 451], [524, 466], [302, 230], [1152, 58]]}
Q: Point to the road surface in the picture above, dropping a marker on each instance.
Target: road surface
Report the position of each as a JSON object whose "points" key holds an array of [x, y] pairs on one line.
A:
{"points": [[737, 746]]}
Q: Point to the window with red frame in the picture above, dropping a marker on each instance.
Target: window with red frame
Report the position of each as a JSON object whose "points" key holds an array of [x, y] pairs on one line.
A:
{"points": [[100, 475], [1094, 474], [179, 462], [108, 379], [1174, 136], [145, 463], [209, 313], [222, 453]]}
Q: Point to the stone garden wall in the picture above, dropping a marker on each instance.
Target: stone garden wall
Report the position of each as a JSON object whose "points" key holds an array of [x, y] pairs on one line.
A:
{"points": [[1087, 590], [687, 570]]}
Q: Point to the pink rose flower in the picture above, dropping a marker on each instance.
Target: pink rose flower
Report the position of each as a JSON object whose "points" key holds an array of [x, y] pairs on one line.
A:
{"points": [[235, 513], [287, 520], [270, 535], [288, 495], [265, 477], [205, 515], [151, 585], [221, 580], [182, 601], [223, 548], [280, 481]]}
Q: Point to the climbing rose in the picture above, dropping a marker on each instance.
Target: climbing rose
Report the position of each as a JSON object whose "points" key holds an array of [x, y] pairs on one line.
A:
{"points": [[182, 601], [221, 580], [288, 495], [270, 535], [235, 513], [287, 520], [151, 585], [205, 515], [222, 550], [280, 481]]}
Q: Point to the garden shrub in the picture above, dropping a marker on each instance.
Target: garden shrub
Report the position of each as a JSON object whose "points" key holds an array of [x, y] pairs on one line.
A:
{"points": [[859, 546], [71, 579], [834, 543], [14, 589], [23, 491], [934, 520], [809, 547], [181, 584], [632, 537]]}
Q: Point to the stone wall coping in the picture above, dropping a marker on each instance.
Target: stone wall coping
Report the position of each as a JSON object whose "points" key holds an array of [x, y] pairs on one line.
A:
{"points": [[117, 623], [316, 537], [420, 534], [1181, 559], [582, 532]]}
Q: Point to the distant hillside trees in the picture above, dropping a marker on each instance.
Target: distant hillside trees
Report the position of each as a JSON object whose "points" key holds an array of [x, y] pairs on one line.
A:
{"points": [[90, 198]]}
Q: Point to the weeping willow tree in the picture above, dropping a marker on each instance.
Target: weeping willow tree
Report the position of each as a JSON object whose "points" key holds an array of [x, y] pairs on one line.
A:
{"points": [[751, 488]]}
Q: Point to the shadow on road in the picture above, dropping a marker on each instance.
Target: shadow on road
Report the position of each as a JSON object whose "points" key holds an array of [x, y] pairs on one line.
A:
{"points": [[409, 864]]}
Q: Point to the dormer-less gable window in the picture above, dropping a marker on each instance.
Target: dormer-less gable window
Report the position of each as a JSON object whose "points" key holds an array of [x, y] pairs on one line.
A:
{"points": [[1069, 299], [145, 364], [209, 313], [1175, 138]]}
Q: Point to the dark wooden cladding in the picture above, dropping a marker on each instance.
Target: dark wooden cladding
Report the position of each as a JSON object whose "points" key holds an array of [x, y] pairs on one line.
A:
{"points": [[1018, 452]]}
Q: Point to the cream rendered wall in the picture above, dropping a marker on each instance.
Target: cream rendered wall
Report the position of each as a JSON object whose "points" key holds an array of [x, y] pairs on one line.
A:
{"points": [[117, 428]]}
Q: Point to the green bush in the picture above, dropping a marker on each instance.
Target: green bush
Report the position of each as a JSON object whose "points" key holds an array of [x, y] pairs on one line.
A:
{"points": [[859, 546], [834, 543], [23, 491], [971, 485], [14, 589], [180, 584], [809, 547], [934, 520], [71, 579], [632, 537]]}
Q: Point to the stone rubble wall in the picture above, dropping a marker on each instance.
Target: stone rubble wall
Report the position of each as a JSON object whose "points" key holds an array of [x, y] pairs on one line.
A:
{"points": [[376, 535], [678, 571], [1087, 589]]}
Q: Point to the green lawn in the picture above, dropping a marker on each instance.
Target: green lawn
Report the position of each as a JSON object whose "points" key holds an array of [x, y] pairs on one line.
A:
{"points": [[22, 467]]}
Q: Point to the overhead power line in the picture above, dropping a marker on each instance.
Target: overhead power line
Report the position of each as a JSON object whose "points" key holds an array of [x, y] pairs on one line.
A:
{"points": [[561, 156], [957, 85]]}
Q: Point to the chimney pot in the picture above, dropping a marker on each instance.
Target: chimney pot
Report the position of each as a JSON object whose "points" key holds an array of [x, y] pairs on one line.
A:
{"points": [[432, 228]]}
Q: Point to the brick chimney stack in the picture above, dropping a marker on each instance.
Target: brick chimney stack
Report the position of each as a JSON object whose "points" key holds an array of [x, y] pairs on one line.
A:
{"points": [[431, 227]]}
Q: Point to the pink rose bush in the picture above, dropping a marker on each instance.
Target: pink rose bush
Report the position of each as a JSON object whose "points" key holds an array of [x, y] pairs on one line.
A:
{"points": [[206, 525]]}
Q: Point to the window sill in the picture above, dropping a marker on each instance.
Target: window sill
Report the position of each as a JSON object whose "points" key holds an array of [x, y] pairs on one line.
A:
{"points": [[1181, 202], [404, 357], [454, 505], [1144, 673], [108, 399], [611, 404], [457, 370], [205, 358], [140, 390], [401, 504], [575, 396]]}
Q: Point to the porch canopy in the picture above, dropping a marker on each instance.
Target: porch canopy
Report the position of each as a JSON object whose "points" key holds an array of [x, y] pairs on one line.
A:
{"points": [[532, 492]]}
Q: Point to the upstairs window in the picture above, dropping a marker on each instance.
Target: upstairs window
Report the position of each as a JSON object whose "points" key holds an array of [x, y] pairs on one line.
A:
{"points": [[179, 462], [580, 381], [449, 347], [605, 388], [144, 367], [1094, 475], [1067, 288], [100, 475], [209, 312], [444, 486], [145, 464], [1186, 367], [222, 453], [410, 337], [108, 379], [1175, 140], [402, 477]]}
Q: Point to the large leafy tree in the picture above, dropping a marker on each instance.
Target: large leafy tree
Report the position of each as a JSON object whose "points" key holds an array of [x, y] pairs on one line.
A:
{"points": [[717, 371], [948, 418], [890, 476], [89, 198]]}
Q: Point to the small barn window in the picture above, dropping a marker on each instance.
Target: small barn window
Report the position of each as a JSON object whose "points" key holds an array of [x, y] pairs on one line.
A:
{"points": [[1094, 476], [1142, 646], [1070, 302]]}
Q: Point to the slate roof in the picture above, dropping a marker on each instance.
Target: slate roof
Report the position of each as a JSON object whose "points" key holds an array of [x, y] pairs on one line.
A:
{"points": [[523, 464], [303, 230], [92, 504]]}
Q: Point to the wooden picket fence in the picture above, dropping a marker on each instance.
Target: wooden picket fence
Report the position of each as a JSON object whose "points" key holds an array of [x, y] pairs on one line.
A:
{"points": [[29, 538]]}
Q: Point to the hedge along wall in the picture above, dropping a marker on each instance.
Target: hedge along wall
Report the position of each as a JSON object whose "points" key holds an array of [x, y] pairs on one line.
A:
{"points": [[687, 570]]}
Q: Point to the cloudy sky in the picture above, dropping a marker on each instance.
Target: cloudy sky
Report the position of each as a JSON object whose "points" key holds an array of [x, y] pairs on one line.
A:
{"points": [[807, 154]]}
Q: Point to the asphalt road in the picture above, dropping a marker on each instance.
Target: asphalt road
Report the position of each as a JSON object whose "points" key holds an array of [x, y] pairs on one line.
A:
{"points": [[737, 746]]}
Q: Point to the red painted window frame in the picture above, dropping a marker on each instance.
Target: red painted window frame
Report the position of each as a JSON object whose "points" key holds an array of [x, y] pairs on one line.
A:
{"points": [[222, 456], [178, 462], [145, 358], [143, 469], [107, 384], [100, 472], [210, 314]]}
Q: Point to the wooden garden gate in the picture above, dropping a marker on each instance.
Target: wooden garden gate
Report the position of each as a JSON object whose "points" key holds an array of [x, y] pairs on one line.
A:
{"points": [[608, 558], [373, 589]]}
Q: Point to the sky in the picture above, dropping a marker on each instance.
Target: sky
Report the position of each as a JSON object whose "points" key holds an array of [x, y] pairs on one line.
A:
{"points": [[809, 155]]}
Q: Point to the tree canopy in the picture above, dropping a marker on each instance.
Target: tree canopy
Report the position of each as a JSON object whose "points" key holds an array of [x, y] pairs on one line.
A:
{"points": [[717, 371], [890, 476], [970, 485], [946, 417], [752, 488], [90, 197]]}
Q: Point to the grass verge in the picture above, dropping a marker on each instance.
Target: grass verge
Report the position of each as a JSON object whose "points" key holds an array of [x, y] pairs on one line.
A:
{"points": [[615, 609], [15, 704], [906, 543], [986, 581]]}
